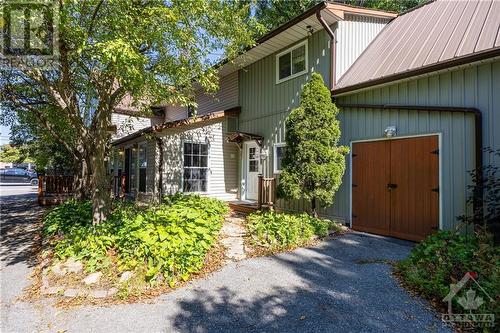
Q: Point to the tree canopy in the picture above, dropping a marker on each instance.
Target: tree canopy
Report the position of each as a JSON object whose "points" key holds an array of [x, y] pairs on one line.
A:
{"points": [[129, 53], [11, 154], [314, 163], [273, 13]]}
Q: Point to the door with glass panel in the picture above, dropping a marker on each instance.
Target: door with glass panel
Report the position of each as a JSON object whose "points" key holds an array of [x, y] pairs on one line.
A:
{"points": [[251, 170]]}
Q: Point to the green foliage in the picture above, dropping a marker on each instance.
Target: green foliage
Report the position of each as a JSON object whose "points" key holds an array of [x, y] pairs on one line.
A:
{"points": [[281, 231], [313, 164], [273, 13], [169, 240], [398, 6], [126, 54], [444, 258], [10, 154], [47, 153]]}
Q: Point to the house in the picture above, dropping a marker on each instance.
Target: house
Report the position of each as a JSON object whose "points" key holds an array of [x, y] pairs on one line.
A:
{"points": [[367, 57], [433, 75]]}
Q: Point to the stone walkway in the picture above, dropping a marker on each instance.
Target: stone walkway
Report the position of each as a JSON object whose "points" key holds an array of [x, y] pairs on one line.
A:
{"points": [[233, 232]]}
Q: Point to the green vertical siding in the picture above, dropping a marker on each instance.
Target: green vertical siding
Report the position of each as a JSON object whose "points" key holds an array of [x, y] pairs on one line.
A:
{"points": [[475, 86], [261, 97]]}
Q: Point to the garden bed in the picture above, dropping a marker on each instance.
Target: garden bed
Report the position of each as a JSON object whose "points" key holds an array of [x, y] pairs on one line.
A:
{"points": [[136, 251], [443, 259], [272, 232]]}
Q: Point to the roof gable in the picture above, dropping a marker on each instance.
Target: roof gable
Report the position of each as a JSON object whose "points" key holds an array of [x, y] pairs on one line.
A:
{"points": [[436, 33]]}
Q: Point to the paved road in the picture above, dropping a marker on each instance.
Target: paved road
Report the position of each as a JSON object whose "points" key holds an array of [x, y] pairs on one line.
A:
{"points": [[18, 216], [327, 288]]}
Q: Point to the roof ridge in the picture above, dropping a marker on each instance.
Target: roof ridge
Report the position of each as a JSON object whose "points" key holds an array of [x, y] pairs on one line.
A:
{"points": [[416, 7]]}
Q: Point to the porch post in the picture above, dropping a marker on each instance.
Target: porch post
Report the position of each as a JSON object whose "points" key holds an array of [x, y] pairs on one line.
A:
{"points": [[259, 192]]}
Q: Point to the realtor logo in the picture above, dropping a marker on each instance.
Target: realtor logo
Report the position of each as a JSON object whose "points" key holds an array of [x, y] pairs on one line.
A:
{"points": [[471, 301], [29, 33]]}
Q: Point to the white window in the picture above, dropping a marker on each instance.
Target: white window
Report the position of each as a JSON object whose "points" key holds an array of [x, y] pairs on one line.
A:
{"points": [[195, 176], [292, 62], [279, 152]]}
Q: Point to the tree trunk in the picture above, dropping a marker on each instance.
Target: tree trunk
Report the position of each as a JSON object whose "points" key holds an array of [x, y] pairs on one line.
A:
{"points": [[101, 191], [314, 211], [82, 181]]}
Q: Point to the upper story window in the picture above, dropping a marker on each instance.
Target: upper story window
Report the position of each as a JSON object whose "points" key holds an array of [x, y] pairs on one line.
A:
{"points": [[292, 62]]}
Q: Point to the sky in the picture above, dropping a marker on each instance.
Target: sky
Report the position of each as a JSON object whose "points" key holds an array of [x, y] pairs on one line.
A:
{"points": [[4, 134]]}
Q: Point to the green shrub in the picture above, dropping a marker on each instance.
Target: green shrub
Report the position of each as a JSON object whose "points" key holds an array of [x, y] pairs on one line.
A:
{"points": [[169, 240], [444, 258], [280, 231]]}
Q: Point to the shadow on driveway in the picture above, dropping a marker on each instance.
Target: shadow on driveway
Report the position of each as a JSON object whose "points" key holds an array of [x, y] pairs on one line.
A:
{"points": [[19, 224], [321, 289]]}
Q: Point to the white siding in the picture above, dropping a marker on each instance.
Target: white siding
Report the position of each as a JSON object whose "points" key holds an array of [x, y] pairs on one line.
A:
{"points": [[353, 36], [128, 124], [223, 158]]}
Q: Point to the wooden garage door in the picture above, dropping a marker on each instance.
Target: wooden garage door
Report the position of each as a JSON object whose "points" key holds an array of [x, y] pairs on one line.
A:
{"points": [[395, 187]]}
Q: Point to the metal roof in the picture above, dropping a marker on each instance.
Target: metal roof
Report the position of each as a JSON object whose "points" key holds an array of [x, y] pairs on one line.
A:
{"points": [[437, 33]]}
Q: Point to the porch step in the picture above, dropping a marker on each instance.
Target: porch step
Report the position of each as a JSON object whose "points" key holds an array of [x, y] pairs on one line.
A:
{"points": [[243, 207]]}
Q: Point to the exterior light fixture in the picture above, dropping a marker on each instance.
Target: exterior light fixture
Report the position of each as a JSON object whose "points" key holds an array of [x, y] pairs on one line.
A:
{"points": [[390, 131], [263, 154]]}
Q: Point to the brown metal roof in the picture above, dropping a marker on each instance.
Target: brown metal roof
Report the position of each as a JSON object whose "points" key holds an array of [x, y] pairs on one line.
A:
{"points": [[438, 33]]}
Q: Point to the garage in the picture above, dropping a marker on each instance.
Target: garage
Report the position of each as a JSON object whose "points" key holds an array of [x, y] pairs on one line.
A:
{"points": [[395, 187]]}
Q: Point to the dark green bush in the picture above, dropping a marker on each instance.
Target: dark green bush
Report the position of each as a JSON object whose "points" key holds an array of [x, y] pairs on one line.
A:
{"points": [[280, 231], [444, 258], [170, 239]]}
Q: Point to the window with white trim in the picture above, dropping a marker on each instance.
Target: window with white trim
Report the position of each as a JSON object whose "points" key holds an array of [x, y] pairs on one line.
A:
{"points": [[279, 152], [195, 176], [292, 62]]}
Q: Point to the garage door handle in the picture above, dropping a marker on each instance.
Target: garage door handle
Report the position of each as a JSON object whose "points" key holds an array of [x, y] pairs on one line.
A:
{"points": [[391, 186]]}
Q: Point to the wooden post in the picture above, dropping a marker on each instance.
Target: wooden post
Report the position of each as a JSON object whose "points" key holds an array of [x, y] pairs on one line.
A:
{"points": [[259, 192], [122, 190], [272, 194], [40, 189]]}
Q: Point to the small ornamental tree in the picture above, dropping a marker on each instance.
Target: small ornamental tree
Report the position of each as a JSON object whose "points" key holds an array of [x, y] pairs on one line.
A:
{"points": [[313, 164]]}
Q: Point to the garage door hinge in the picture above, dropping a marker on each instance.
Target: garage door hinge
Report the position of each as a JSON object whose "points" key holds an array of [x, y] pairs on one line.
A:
{"points": [[354, 216], [435, 190], [354, 185], [435, 152], [354, 155]]}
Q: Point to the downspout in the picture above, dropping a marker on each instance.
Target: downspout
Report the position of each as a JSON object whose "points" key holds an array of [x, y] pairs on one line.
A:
{"points": [[333, 48]]}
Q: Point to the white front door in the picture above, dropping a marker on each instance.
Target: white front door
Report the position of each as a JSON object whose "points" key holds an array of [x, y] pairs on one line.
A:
{"points": [[251, 170]]}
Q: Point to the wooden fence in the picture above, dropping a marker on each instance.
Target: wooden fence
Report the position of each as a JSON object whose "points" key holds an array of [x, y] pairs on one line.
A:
{"points": [[54, 189]]}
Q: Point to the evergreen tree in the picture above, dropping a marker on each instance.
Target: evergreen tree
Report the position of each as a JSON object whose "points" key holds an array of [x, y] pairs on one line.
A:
{"points": [[313, 164]]}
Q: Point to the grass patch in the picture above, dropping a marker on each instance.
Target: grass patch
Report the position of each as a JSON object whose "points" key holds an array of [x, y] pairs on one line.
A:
{"points": [[272, 231], [444, 258], [167, 242]]}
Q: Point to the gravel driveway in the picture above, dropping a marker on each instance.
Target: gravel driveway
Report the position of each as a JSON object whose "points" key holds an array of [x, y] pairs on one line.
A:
{"points": [[338, 286]]}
